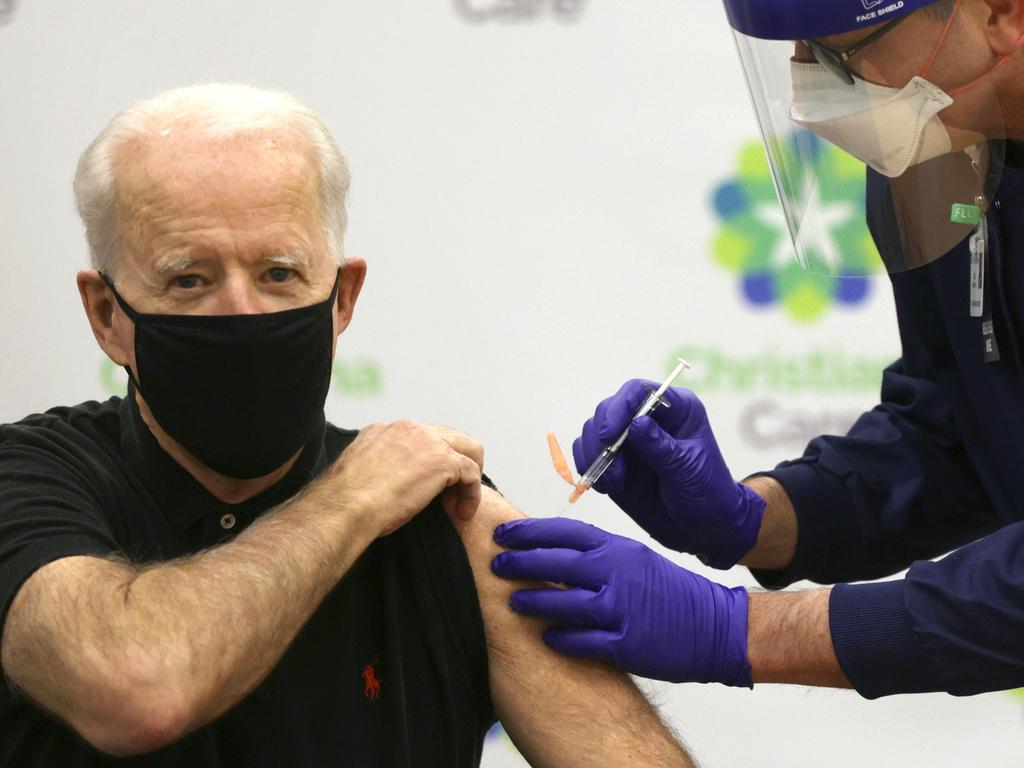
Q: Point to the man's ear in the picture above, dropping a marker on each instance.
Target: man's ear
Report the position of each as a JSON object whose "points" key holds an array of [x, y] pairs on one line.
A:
{"points": [[349, 285], [1004, 28], [98, 302]]}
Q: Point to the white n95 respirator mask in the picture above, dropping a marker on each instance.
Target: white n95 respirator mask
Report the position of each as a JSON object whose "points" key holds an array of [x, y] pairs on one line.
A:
{"points": [[888, 129]]}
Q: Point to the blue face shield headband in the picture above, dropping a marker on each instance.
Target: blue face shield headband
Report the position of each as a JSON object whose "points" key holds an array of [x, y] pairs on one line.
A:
{"points": [[809, 19]]}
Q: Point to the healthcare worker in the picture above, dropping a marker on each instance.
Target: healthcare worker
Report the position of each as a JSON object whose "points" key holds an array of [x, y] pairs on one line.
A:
{"points": [[930, 96]]}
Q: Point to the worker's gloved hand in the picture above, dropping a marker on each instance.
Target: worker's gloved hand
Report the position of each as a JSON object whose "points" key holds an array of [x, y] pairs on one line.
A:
{"points": [[625, 604], [670, 476]]}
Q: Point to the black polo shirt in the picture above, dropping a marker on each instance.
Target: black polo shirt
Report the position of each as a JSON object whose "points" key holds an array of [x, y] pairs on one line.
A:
{"points": [[391, 670]]}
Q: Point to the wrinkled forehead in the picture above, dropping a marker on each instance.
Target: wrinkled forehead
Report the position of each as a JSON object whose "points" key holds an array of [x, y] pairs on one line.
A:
{"points": [[176, 174]]}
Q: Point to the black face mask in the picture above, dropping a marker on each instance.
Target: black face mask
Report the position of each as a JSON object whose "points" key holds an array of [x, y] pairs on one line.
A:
{"points": [[242, 393]]}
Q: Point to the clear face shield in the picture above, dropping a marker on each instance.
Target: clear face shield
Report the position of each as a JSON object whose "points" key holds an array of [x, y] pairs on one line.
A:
{"points": [[840, 92]]}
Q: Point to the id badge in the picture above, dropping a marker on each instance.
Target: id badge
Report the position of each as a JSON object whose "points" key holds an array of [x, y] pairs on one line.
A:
{"points": [[977, 245]]}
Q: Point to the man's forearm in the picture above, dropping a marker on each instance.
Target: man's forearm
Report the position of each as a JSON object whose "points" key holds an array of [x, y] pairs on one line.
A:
{"points": [[161, 650], [788, 635], [223, 618], [788, 639], [776, 540]]}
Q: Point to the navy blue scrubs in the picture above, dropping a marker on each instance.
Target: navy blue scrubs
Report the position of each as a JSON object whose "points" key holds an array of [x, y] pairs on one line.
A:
{"points": [[936, 467]]}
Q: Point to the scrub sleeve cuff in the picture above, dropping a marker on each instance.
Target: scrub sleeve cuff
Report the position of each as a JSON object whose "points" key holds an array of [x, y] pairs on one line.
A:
{"points": [[874, 640], [827, 527]]}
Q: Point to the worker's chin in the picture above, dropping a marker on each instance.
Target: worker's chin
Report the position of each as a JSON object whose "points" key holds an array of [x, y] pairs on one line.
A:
{"points": [[965, 136], [964, 140]]}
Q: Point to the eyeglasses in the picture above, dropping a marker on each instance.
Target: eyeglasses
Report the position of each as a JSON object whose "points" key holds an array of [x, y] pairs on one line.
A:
{"points": [[835, 61]]}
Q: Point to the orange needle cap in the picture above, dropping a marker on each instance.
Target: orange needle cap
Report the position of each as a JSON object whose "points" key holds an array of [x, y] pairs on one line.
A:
{"points": [[558, 459]]}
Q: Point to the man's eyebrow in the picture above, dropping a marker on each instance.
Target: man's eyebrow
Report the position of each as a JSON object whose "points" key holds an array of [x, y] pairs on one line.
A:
{"points": [[289, 259], [174, 263]]}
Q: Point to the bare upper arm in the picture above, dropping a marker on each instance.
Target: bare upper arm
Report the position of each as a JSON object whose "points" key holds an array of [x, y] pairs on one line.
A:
{"points": [[558, 711]]}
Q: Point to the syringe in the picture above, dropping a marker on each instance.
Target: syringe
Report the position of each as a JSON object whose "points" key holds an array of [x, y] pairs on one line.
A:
{"points": [[602, 462]]}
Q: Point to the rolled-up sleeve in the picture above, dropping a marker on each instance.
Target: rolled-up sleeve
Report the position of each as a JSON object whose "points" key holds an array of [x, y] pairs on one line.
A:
{"points": [[896, 489], [954, 625]]}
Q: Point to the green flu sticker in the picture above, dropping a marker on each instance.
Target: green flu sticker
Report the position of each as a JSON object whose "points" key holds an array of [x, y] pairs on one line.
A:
{"points": [[965, 214]]}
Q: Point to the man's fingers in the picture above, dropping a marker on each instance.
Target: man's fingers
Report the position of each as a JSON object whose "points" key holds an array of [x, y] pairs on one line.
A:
{"points": [[464, 488], [581, 607], [549, 532], [461, 443], [469, 489], [464, 457], [458, 506]]}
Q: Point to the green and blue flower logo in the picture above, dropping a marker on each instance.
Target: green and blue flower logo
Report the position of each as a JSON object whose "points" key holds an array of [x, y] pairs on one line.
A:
{"points": [[754, 240]]}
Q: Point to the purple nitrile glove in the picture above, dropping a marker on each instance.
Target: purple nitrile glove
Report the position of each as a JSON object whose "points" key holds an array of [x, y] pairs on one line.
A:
{"points": [[625, 604], [670, 476]]}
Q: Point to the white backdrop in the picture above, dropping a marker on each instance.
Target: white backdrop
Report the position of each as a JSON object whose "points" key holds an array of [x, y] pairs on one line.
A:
{"points": [[543, 190]]}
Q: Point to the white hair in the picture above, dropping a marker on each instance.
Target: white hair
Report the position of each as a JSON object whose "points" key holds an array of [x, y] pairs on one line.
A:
{"points": [[214, 110]]}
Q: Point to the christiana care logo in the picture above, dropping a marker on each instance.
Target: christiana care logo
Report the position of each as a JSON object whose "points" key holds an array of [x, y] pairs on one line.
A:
{"points": [[754, 241], [520, 11], [7, 9]]}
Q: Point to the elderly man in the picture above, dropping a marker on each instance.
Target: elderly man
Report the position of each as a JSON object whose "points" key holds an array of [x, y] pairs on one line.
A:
{"points": [[206, 572]]}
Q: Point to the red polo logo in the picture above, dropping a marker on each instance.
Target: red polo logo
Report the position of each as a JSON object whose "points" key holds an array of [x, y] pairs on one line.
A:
{"points": [[372, 685]]}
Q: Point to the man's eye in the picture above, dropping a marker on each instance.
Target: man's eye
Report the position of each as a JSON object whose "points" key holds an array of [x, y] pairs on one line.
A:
{"points": [[186, 281], [280, 274]]}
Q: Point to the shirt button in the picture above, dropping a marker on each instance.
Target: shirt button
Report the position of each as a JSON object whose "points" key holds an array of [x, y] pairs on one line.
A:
{"points": [[227, 522]]}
